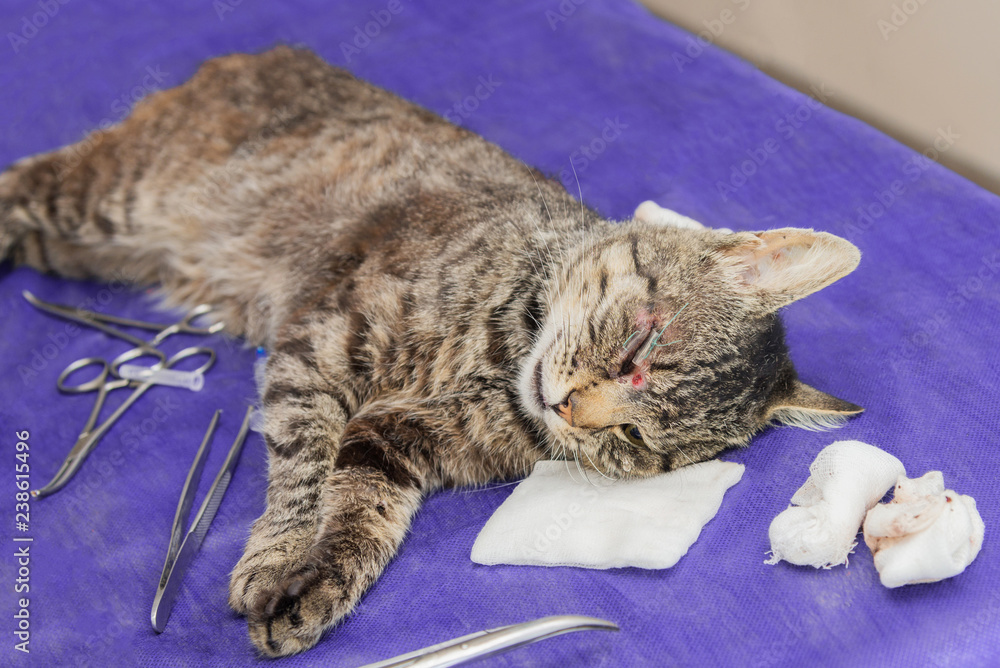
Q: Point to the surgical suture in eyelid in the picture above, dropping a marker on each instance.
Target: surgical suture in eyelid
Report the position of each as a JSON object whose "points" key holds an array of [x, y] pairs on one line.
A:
{"points": [[644, 351]]}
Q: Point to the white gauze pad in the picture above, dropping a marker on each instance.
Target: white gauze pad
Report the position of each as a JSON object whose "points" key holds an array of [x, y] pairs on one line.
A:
{"points": [[820, 528], [556, 517], [925, 534], [651, 212]]}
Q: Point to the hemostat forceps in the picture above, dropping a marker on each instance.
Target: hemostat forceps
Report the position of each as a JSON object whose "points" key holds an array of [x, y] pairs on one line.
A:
{"points": [[180, 554], [494, 641], [91, 433], [108, 377]]}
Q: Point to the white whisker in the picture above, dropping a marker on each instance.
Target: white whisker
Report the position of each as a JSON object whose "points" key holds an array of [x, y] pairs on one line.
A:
{"points": [[579, 467], [686, 456], [579, 189], [595, 466], [487, 487]]}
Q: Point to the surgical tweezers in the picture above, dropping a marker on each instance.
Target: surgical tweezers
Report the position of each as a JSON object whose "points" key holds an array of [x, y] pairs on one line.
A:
{"points": [[493, 641], [180, 554]]}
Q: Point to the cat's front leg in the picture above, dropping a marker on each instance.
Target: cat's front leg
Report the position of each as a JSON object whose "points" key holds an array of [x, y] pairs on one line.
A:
{"points": [[376, 487], [304, 419]]}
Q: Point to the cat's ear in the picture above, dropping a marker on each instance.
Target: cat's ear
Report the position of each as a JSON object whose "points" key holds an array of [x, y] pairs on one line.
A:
{"points": [[787, 264], [808, 408]]}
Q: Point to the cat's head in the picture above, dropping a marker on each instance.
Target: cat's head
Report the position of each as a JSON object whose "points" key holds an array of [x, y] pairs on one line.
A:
{"points": [[663, 346]]}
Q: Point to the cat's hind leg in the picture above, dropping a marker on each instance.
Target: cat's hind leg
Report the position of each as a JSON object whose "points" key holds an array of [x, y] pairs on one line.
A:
{"points": [[35, 225], [68, 212], [93, 211]]}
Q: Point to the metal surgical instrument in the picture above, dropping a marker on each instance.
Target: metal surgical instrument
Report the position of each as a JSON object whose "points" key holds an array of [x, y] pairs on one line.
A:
{"points": [[101, 321], [109, 378], [91, 433], [493, 641], [180, 554]]}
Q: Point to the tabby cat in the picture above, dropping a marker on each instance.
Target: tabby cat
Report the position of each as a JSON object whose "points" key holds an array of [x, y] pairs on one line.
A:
{"points": [[436, 313]]}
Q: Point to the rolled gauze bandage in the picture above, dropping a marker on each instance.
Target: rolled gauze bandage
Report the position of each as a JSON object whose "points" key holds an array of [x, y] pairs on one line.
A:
{"points": [[821, 527], [925, 534]]}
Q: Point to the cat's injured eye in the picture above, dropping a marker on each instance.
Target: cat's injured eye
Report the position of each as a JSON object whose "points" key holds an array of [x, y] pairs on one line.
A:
{"points": [[627, 361], [632, 434]]}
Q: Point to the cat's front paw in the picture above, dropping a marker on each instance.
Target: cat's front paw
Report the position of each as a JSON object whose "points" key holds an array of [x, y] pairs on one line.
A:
{"points": [[292, 616], [252, 580], [272, 552]]}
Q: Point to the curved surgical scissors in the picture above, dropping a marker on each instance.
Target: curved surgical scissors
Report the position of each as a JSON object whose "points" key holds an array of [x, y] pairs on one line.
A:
{"points": [[92, 432], [99, 321]]}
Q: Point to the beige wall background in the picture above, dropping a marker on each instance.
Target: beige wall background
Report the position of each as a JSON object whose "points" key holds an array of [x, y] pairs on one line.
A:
{"points": [[907, 67]]}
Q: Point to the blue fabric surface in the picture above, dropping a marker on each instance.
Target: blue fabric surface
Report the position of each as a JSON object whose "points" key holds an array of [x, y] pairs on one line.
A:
{"points": [[911, 335]]}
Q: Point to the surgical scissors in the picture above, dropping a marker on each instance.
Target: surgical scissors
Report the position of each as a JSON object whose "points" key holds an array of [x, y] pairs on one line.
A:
{"points": [[100, 320], [493, 641], [92, 433]]}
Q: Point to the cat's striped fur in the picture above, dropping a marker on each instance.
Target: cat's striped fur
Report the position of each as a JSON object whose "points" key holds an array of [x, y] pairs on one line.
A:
{"points": [[437, 313]]}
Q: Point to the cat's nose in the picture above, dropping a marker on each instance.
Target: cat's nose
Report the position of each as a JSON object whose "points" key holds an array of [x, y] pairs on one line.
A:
{"points": [[565, 409]]}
